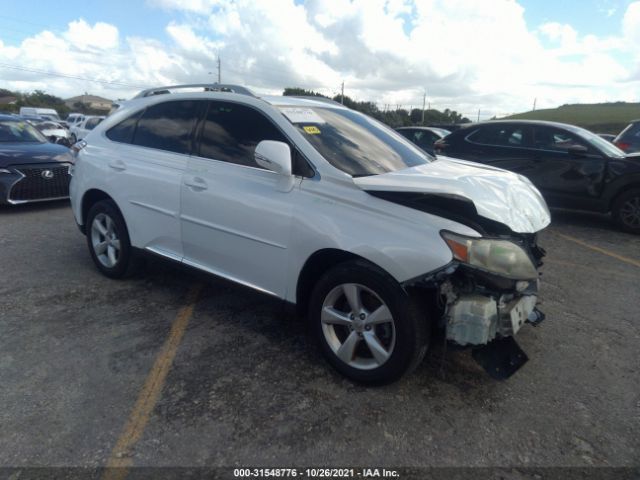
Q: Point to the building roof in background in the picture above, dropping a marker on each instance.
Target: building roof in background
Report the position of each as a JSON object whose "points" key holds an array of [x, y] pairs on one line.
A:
{"points": [[87, 99]]}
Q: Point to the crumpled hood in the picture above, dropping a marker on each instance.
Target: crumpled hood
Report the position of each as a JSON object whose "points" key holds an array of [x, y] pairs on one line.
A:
{"points": [[497, 194]]}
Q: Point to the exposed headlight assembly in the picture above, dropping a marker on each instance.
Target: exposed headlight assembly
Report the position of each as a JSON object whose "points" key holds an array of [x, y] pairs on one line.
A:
{"points": [[501, 257]]}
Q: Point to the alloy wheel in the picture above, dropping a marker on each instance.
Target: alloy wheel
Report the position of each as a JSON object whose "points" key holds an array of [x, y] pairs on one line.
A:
{"points": [[630, 212], [105, 240], [358, 326]]}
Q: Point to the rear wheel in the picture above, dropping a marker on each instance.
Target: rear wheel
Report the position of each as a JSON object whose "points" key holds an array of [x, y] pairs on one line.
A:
{"points": [[626, 211], [108, 240], [367, 326]]}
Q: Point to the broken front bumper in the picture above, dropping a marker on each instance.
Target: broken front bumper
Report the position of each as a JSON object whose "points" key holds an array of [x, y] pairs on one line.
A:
{"points": [[477, 319], [484, 311]]}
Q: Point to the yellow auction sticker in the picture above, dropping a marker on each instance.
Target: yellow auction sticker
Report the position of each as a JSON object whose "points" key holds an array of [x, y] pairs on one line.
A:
{"points": [[312, 130]]}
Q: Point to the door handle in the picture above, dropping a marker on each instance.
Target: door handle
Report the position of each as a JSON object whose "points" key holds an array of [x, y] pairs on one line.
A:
{"points": [[196, 183], [117, 165]]}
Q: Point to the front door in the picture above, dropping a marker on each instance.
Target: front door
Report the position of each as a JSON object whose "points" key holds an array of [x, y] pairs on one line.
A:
{"points": [[566, 180], [236, 216]]}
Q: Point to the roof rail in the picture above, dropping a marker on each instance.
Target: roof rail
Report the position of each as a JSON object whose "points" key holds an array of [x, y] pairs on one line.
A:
{"points": [[316, 98], [208, 87]]}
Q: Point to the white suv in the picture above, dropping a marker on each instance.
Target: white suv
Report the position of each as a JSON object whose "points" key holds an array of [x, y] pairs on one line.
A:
{"points": [[324, 207]]}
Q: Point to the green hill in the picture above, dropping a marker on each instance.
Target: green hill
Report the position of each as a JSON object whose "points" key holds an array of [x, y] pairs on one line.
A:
{"points": [[597, 117]]}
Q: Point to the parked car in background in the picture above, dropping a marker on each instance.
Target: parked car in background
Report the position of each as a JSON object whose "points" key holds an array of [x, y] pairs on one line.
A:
{"points": [[572, 167], [31, 168], [424, 137], [74, 118], [629, 139], [607, 136], [37, 111], [324, 207], [54, 131], [84, 126]]}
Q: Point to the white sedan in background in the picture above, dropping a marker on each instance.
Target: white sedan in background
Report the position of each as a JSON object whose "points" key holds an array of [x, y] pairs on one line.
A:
{"points": [[80, 130], [54, 131]]}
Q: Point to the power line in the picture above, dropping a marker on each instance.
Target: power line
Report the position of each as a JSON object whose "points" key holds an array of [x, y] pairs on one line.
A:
{"points": [[62, 75]]}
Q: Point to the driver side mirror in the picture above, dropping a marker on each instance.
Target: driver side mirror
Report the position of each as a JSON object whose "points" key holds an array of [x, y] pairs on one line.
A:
{"points": [[274, 156], [577, 151]]}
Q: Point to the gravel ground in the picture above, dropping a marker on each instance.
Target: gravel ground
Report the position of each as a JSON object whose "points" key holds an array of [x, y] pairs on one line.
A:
{"points": [[246, 389]]}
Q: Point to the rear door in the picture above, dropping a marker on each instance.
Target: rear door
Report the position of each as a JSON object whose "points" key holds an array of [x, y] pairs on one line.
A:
{"points": [[145, 164], [236, 216], [564, 178], [502, 145]]}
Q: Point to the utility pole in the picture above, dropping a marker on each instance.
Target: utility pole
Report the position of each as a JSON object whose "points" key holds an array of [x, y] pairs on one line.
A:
{"points": [[219, 75], [342, 94], [534, 104], [424, 100], [478, 114]]}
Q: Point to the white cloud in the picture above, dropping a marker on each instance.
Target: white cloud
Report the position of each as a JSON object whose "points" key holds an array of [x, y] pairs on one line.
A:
{"points": [[467, 54], [101, 35]]}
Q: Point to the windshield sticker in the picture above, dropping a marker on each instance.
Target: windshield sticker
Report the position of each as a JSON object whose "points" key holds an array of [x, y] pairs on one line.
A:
{"points": [[301, 115], [311, 130]]}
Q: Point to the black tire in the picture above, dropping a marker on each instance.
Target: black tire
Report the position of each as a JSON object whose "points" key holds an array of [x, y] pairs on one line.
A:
{"points": [[126, 261], [409, 320], [626, 211]]}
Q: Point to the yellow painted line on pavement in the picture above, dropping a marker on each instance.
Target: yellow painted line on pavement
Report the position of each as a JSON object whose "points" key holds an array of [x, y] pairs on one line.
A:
{"points": [[120, 459], [604, 251]]}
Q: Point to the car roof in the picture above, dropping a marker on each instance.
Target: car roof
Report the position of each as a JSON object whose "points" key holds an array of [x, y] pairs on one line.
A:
{"points": [[7, 116], [220, 91], [419, 127], [546, 123], [292, 101]]}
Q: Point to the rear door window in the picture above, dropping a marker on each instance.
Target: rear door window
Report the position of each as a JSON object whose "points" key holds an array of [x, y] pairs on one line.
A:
{"points": [[500, 135], [168, 126]]}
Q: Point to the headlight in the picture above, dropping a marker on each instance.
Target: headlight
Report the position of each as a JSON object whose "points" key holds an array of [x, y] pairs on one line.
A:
{"points": [[501, 257]]}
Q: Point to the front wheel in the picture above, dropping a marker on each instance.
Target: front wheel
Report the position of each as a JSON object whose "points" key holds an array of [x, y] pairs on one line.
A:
{"points": [[367, 326], [626, 211]]}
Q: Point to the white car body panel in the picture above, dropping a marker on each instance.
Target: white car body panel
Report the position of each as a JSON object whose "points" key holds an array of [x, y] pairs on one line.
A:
{"points": [[254, 226], [56, 132], [497, 194], [269, 225]]}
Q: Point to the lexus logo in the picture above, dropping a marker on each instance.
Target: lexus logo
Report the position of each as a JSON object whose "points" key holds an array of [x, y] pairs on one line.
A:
{"points": [[47, 174]]}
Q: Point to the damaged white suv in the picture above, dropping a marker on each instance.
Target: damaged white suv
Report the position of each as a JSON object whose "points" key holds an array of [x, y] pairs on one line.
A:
{"points": [[374, 240]]}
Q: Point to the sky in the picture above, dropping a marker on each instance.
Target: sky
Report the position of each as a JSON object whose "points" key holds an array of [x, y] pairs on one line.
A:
{"points": [[495, 57]]}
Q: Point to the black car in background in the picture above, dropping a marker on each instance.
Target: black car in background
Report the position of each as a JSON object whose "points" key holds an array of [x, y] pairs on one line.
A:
{"points": [[628, 139], [31, 168], [572, 167], [424, 137]]}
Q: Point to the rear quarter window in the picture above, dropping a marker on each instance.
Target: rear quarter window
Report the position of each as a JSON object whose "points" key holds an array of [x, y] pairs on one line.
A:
{"points": [[168, 126], [123, 131]]}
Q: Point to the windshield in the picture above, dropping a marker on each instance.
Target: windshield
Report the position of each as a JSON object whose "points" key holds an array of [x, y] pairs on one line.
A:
{"points": [[19, 132], [604, 145], [355, 143]]}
